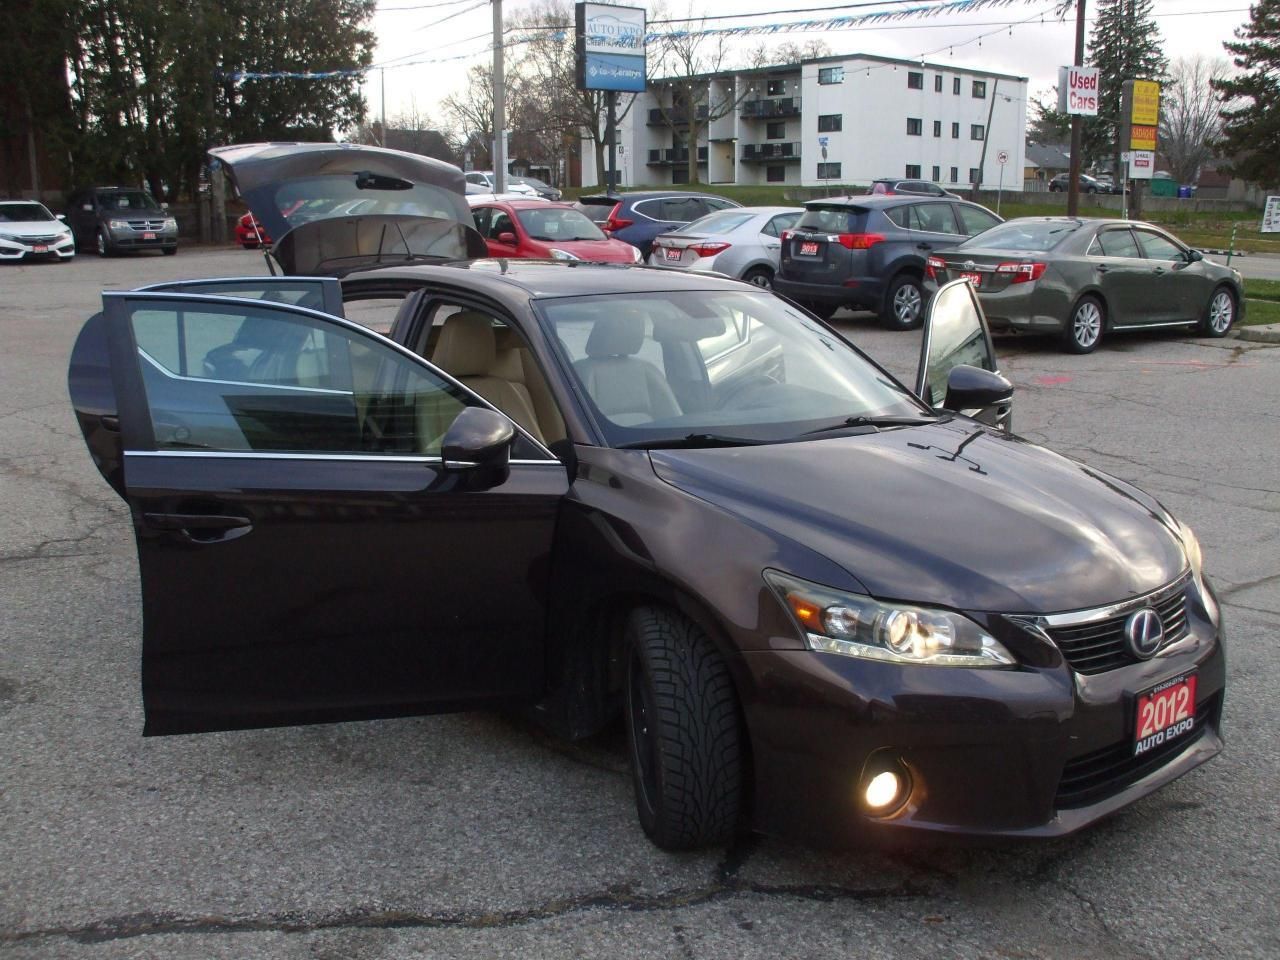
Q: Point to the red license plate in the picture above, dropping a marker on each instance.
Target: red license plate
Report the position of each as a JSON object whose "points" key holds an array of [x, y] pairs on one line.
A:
{"points": [[148, 236], [974, 278], [1165, 712], [808, 249], [671, 253], [39, 248]]}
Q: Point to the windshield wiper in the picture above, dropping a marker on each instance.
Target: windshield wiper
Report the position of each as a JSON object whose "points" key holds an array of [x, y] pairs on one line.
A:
{"points": [[848, 422], [692, 440]]}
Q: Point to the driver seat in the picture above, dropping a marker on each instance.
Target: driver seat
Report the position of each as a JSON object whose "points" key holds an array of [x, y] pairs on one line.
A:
{"points": [[468, 350], [628, 390]]}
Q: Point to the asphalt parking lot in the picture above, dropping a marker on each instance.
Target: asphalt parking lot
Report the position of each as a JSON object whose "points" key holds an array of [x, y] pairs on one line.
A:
{"points": [[475, 835]]}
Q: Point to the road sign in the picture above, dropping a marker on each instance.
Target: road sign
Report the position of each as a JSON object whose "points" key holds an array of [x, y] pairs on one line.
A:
{"points": [[1002, 157], [823, 141], [1271, 216], [1142, 164]]}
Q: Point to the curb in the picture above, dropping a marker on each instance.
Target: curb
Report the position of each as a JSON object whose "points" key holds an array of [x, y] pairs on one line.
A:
{"points": [[1266, 333]]}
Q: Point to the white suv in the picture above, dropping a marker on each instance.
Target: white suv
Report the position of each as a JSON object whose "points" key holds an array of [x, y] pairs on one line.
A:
{"points": [[484, 178]]}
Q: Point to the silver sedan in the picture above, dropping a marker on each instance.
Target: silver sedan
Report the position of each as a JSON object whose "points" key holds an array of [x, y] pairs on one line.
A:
{"points": [[741, 242]]}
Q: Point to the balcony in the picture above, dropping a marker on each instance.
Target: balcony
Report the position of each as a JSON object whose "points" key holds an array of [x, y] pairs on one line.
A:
{"points": [[784, 151], [771, 108], [674, 117], [671, 156]]}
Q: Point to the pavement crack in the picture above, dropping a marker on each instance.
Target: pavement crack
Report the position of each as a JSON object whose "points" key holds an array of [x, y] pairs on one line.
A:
{"points": [[1247, 585]]}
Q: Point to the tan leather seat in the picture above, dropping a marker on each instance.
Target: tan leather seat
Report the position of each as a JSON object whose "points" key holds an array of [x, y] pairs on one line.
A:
{"points": [[515, 364], [628, 390], [467, 350]]}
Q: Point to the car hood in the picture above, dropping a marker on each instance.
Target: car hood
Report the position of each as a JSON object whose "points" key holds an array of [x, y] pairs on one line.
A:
{"points": [[609, 250], [33, 228], [951, 514]]}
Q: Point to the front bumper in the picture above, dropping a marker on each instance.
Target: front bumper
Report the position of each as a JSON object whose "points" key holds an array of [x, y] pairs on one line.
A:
{"points": [[53, 248], [128, 238], [1037, 751]]}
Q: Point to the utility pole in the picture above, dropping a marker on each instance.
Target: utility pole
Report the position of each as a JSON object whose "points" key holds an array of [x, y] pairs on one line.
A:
{"points": [[611, 134], [383, 131], [986, 138], [1077, 125], [499, 105]]}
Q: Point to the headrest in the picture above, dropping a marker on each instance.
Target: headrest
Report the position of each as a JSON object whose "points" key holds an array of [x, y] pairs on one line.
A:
{"points": [[620, 335], [466, 347]]}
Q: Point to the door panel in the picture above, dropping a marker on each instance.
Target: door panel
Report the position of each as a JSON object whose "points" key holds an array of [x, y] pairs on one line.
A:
{"points": [[1123, 275], [1178, 289], [305, 555], [316, 293]]}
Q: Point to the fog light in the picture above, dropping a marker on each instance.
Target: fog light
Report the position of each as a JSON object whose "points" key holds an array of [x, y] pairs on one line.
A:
{"points": [[882, 790]]}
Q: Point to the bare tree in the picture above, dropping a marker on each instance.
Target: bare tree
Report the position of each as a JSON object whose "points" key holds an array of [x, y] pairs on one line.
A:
{"points": [[470, 114], [787, 52], [1190, 114]]}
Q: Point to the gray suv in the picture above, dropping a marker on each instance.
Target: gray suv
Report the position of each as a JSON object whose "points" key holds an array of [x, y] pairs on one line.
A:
{"points": [[116, 220], [869, 252]]}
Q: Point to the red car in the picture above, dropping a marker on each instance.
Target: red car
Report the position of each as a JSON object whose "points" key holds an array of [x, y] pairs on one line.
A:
{"points": [[536, 229], [250, 234]]}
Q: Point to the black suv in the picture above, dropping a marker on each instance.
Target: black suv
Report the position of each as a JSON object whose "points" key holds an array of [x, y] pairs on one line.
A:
{"points": [[869, 252], [115, 220], [890, 186]]}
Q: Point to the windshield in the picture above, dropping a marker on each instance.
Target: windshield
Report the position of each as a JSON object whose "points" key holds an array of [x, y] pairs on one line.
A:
{"points": [[127, 200], [24, 213], [558, 223], [667, 366], [1024, 235], [722, 221]]}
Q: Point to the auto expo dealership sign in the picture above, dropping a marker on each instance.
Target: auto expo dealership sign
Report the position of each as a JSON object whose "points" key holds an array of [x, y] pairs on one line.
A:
{"points": [[1078, 90], [610, 47]]}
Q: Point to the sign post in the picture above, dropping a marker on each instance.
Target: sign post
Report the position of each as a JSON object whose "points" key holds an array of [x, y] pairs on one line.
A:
{"points": [[609, 55], [1001, 158]]}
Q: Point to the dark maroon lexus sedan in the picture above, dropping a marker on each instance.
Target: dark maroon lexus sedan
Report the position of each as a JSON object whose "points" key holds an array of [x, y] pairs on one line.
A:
{"points": [[826, 605]]}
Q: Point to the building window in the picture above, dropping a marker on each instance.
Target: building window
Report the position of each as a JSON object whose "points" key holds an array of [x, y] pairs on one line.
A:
{"points": [[830, 122], [977, 131], [776, 131], [680, 173], [914, 126], [915, 80], [828, 171], [955, 175], [913, 171], [775, 174], [937, 83], [833, 75], [937, 174], [980, 89], [937, 128], [955, 86], [974, 175], [955, 131], [775, 88]]}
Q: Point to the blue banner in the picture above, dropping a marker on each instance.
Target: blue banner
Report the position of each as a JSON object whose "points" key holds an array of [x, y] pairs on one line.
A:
{"points": [[614, 71]]}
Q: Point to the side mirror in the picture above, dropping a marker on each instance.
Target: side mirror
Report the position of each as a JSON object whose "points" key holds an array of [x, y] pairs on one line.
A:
{"points": [[1194, 256], [969, 388], [508, 238], [956, 339], [61, 216], [477, 446]]}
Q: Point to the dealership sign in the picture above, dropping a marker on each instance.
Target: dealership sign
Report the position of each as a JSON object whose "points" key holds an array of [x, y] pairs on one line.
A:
{"points": [[1078, 90], [1139, 114], [1142, 163], [609, 47]]}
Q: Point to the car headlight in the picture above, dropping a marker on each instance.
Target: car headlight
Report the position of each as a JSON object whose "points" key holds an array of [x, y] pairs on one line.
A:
{"points": [[852, 625], [557, 254], [170, 223], [118, 224], [1195, 560]]}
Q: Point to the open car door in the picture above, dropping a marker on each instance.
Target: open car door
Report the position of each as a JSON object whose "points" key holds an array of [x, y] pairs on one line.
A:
{"points": [[306, 551], [316, 293], [958, 369]]}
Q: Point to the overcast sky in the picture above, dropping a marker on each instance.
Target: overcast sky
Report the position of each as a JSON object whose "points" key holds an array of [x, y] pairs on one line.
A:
{"points": [[1022, 44]]}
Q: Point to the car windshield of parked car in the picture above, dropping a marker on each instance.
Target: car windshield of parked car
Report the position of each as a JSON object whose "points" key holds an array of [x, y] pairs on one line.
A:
{"points": [[1024, 235], [679, 368], [127, 200], [558, 223], [24, 213], [722, 221]]}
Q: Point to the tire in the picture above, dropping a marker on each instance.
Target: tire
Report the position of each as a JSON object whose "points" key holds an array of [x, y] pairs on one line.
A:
{"points": [[684, 737], [1091, 190], [104, 245], [1219, 315], [170, 251], [761, 277], [1085, 326], [903, 303]]}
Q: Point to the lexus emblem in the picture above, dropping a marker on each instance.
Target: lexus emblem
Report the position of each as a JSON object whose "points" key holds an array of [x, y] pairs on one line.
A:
{"points": [[1143, 633], [969, 265]]}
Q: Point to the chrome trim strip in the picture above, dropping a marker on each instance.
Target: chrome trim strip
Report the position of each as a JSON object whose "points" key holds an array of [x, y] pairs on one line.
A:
{"points": [[1154, 326], [1077, 618], [360, 457]]}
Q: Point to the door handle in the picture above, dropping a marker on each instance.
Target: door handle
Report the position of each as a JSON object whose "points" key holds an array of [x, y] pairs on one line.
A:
{"points": [[1158, 271], [200, 527], [1103, 268]]}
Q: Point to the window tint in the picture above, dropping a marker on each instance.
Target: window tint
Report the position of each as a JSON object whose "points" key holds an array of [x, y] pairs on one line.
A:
{"points": [[718, 203], [558, 223], [973, 220], [483, 216], [832, 220], [501, 224], [235, 377], [1117, 243], [1157, 247], [783, 221], [1024, 235], [24, 213], [682, 209], [933, 218], [899, 216]]}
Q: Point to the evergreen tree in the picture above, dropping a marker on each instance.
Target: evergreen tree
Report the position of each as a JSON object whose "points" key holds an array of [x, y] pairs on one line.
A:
{"points": [[1125, 45], [1251, 134]]}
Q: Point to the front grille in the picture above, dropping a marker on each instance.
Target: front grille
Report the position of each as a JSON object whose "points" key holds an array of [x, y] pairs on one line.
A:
{"points": [[51, 238], [1099, 646], [1102, 773], [147, 225]]}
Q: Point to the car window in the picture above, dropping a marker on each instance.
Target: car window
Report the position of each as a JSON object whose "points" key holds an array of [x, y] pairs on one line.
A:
{"points": [[1025, 234], [718, 203], [899, 216], [558, 223], [831, 219], [127, 200], [241, 377], [24, 213], [722, 221], [501, 224], [647, 208], [680, 209], [974, 219], [1117, 243], [783, 221], [483, 216], [1157, 247], [933, 218]]}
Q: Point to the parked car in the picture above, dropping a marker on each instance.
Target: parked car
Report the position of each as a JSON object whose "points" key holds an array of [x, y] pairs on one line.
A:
{"points": [[484, 180], [29, 230], [1084, 279], [598, 489], [540, 229], [890, 186], [868, 252], [544, 190], [1088, 184], [115, 220], [640, 216], [741, 242], [249, 232]]}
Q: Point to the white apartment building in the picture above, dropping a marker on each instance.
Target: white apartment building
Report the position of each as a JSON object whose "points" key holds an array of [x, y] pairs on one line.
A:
{"points": [[874, 116]]}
